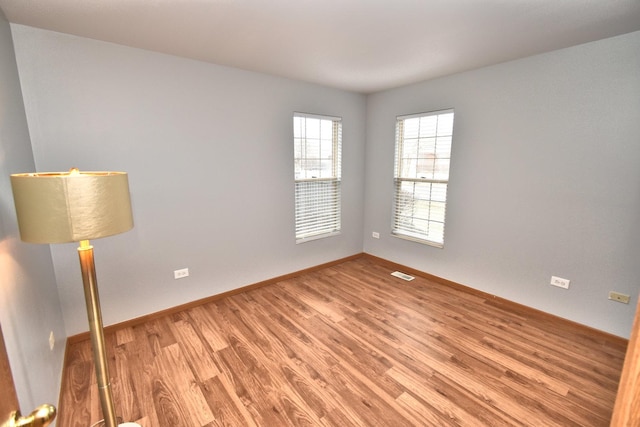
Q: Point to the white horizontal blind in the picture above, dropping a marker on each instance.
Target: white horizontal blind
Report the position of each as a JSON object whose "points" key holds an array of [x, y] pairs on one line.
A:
{"points": [[317, 158], [423, 155]]}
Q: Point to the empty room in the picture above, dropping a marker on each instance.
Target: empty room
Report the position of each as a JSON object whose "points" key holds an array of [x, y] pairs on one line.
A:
{"points": [[319, 213]]}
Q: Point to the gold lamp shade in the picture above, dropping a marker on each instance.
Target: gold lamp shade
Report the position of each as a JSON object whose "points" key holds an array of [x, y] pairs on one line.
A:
{"points": [[62, 207]]}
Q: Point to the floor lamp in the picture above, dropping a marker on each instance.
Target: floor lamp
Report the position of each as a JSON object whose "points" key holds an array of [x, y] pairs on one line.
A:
{"points": [[74, 206]]}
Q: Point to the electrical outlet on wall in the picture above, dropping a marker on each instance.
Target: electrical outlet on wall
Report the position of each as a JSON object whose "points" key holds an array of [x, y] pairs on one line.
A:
{"points": [[560, 282], [179, 274], [617, 296]]}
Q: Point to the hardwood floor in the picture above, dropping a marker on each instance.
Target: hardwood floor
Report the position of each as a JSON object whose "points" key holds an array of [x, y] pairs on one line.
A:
{"points": [[350, 345]]}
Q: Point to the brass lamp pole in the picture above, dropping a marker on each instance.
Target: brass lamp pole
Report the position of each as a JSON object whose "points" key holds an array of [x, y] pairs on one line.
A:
{"points": [[74, 206]]}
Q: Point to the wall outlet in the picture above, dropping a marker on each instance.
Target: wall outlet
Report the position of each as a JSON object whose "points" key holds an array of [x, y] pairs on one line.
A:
{"points": [[617, 296], [375, 235], [179, 274], [560, 282], [52, 341]]}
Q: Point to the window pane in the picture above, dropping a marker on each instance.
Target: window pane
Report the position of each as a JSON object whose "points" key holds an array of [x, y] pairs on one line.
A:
{"points": [[298, 127], [326, 149], [297, 169], [436, 231], [326, 169], [443, 147], [297, 148], [428, 126], [425, 168], [409, 168], [410, 149], [445, 124], [427, 147], [411, 128], [312, 127], [439, 192], [441, 169], [436, 211], [312, 146], [326, 129]]}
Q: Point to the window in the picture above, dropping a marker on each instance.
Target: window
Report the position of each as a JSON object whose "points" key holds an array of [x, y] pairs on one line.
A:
{"points": [[317, 156], [423, 153]]}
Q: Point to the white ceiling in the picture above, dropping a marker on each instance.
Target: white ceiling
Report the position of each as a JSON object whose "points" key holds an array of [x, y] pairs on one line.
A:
{"points": [[358, 45]]}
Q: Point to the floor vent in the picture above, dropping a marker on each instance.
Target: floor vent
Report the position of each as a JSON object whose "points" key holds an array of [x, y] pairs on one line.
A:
{"points": [[402, 276]]}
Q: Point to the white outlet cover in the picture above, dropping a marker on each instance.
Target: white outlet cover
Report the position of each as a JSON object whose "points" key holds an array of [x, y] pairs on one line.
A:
{"points": [[179, 274], [560, 282]]}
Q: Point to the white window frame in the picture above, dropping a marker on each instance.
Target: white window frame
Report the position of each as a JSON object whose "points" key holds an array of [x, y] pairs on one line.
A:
{"points": [[317, 175], [421, 176]]}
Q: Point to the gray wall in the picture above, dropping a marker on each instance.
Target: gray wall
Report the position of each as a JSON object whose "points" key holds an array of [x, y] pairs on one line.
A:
{"points": [[208, 150], [545, 180], [29, 307]]}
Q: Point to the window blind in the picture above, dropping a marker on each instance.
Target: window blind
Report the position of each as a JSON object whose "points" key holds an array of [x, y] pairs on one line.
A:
{"points": [[317, 159], [421, 177]]}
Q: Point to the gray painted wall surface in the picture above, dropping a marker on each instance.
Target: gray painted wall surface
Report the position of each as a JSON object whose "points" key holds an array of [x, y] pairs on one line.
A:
{"points": [[209, 154], [29, 306], [545, 180]]}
